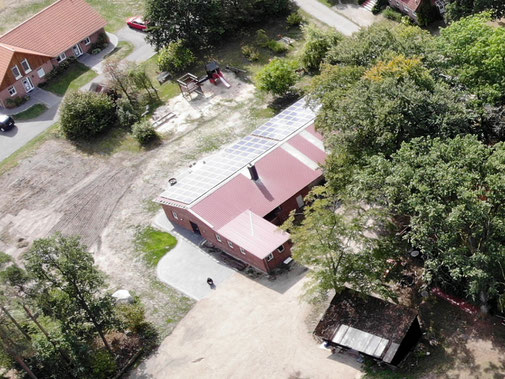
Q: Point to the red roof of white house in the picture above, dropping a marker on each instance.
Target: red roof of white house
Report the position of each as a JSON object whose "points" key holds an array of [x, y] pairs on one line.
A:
{"points": [[254, 234], [55, 28]]}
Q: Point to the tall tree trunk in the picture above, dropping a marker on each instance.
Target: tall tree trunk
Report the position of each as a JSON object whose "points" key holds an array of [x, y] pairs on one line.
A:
{"points": [[27, 336], [9, 346], [63, 354]]}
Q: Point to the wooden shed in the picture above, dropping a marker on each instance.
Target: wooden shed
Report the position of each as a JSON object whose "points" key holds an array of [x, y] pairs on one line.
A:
{"points": [[369, 325]]}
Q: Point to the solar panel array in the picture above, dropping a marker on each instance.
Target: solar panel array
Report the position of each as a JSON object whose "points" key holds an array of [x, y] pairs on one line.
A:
{"points": [[221, 166], [286, 122], [217, 169]]}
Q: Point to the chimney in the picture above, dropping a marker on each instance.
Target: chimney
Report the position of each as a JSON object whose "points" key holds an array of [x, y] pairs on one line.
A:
{"points": [[253, 172]]}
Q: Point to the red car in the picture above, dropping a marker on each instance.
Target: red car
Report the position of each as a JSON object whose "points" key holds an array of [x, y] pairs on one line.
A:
{"points": [[137, 22]]}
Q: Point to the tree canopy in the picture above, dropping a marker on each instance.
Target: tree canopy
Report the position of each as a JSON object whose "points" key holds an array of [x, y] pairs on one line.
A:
{"points": [[451, 191]]}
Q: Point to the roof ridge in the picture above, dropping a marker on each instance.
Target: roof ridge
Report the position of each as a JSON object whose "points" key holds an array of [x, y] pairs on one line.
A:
{"points": [[16, 49], [28, 19], [7, 46]]}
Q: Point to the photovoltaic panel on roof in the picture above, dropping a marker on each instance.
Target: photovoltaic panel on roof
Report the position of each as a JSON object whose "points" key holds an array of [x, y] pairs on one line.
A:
{"points": [[217, 169], [287, 122]]}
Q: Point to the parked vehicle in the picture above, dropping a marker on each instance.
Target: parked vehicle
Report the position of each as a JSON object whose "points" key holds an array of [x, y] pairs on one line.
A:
{"points": [[137, 22], [6, 123]]}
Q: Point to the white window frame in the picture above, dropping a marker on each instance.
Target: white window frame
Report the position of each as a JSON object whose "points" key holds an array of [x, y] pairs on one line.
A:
{"points": [[61, 57], [218, 237], [15, 67], [87, 41], [242, 251], [270, 257], [28, 64], [281, 248], [44, 72], [174, 213], [12, 93], [230, 244]]}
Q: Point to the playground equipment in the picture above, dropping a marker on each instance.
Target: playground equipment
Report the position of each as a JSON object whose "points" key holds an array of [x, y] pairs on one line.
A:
{"points": [[215, 75], [189, 83]]}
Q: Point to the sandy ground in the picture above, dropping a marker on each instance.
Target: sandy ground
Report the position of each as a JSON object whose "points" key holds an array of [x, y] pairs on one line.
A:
{"points": [[104, 198], [249, 328]]}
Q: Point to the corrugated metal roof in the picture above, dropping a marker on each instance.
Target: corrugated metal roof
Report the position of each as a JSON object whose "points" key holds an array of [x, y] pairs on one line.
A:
{"points": [[281, 176], [360, 341], [254, 234]]}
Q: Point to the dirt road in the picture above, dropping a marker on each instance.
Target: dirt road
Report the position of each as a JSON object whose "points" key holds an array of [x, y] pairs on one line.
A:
{"points": [[249, 329]]}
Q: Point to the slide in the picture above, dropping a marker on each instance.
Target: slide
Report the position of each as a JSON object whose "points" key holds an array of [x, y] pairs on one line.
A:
{"points": [[223, 80]]}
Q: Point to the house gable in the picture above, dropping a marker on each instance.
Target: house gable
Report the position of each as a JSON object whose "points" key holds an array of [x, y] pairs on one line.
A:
{"points": [[7, 77]]}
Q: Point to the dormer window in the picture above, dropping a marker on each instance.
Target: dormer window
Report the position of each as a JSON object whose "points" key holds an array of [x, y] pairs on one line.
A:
{"points": [[26, 66], [16, 72]]}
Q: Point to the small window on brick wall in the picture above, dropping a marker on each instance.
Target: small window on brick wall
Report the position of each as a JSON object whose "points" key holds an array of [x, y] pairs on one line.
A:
{"points": [[270, 257], [230, 244], [242, 251], [218, 237], [12, 91], [281, 248], [175, 215]]}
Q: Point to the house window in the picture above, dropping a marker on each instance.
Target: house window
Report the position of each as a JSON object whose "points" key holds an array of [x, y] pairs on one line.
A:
{"points": [[175, 215], [26, 66], [12, 91], [230, 244], [242, 251], [281, 248], [41, 73], [218, 237], [16, 72], [87, 41], [61, 57], [270, 257]]}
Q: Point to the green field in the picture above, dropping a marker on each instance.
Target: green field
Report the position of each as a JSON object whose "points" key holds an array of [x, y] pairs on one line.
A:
{"points": [[71, 79], [32, 112]]}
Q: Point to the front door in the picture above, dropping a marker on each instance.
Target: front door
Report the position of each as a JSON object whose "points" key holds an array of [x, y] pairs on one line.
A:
{"points": [[77, 50], [27, 82], [195, 227]]}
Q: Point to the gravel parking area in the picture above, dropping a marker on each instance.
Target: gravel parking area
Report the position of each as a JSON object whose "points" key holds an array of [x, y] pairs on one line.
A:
{"points": [[249, 328]]}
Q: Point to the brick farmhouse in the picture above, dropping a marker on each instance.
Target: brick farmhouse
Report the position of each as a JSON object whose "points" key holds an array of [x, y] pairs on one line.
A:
{"points": [[237, 199], [28, 52]]}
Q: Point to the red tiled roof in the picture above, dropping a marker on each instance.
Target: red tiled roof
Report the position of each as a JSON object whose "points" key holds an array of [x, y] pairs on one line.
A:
{"points": [[254, 234], [411, 4], [56, 28]]}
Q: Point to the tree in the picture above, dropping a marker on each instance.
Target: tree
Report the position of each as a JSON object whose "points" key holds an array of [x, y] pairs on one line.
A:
{"points": [[202, 23], [72, 286], [451, 192], [473, 51], [457, 9], [317, 44], [278, 77], [331, 240], [175, 57], [144, 132], [142, 82], [86, 114], [390, 103], [117, 73], [381, 41]]}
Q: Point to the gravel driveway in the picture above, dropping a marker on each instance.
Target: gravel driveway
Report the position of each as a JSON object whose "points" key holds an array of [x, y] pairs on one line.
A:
{"points": [[249, 329]]}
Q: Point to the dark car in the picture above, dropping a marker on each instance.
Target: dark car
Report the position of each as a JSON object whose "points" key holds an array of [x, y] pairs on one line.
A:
{"points": [[6, 123]]}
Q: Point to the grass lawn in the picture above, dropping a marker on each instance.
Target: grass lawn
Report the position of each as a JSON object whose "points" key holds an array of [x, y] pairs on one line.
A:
{"points": [[122, 50], [116, 12], [72, 79], [154, 244], [32, 112]]}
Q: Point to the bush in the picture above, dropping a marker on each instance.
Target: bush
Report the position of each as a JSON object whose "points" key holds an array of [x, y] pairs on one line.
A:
{"points": [[126, 114], [14, 102], [250, 52], [317, 44], [103, 365], [261, 38], [144, 132], [392, 14], [101, 42], [86, 114], [295, 19], [379, 6], [175, 57], [278, 76], [132, 316], [277, 47]]}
